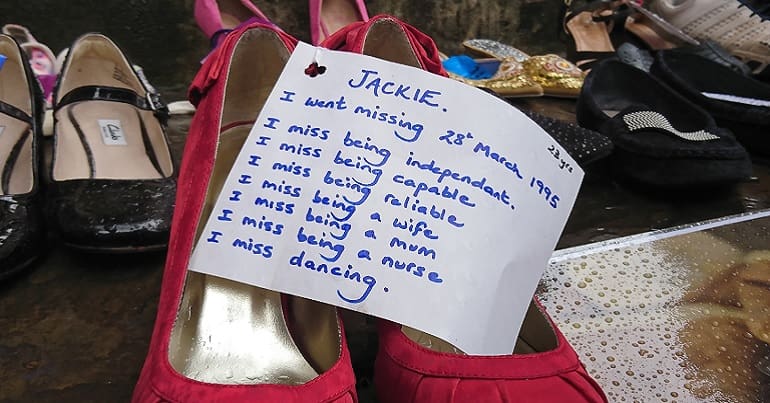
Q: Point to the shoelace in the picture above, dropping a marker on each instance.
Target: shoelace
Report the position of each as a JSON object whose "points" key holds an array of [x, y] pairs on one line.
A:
{"points": [[761, 10]]}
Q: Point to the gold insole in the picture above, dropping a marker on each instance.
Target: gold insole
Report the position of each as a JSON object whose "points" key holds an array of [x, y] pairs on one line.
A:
{"points": [[536, 336], [229, 332], [233, 333]]}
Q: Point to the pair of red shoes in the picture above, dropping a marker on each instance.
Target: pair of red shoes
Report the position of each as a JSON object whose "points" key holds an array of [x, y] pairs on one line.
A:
{"points": [[217, 340]]}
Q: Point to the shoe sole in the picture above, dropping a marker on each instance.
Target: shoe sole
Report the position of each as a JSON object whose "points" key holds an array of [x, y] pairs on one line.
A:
{"points": [[680, 172], [117, 250], [18, 269]]}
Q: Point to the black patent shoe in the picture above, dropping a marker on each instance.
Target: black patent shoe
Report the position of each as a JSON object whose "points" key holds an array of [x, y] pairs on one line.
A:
{"points": [[21, 227], [661, 139], [112, 185]]}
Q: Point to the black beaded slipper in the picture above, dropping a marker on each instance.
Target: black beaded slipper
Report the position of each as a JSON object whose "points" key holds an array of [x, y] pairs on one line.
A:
{"points": [[660, 138], [737, 102], [585, 146]]}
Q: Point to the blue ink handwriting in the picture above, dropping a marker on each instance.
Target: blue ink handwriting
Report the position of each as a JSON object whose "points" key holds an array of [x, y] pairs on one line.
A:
{"points": [[411, 267], [396, 242], [358, 164], [348, 273], [279, 206], [225, 216], [293, 168], [214, 238], [347, 183], [271, 123], [288, 96], [542, 189], [330, 104], [330, 222], [283, 188], [310, 131], [349, 209], [414, 205], [392, 119], [414, 229], [263, 224], [349, 141], [245, 179], [322, 243], [446, 193], [443, 173], [370, 81], [258, 249], [510, 165], [453, 138], [300, 149]]}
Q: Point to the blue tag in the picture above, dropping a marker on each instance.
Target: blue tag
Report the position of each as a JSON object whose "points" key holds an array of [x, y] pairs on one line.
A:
{"points": [[2, 60]]}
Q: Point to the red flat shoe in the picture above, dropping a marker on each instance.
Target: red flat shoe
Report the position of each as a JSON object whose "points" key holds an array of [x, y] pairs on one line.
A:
{"points": [[215, 339], [413, 366]]}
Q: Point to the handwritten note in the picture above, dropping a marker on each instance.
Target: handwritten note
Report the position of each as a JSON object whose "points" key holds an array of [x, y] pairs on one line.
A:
{"points": [[394, 192]]}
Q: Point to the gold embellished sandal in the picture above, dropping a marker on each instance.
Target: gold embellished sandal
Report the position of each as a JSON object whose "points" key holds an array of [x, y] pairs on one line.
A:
{"points": [[557, 76], [508, 80]]}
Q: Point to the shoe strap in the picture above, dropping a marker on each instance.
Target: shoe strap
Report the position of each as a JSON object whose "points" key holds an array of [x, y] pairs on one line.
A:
{"points": [[570, 9], [14, 112], [594, 57], [150, 102]]}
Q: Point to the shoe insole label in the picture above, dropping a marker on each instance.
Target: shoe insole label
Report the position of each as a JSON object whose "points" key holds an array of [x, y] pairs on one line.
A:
{"points": [[737, 99], [394, 192], [112, 132]]}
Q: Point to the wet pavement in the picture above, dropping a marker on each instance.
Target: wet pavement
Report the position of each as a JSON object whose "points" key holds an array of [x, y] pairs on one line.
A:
{"points": [[661, 318], [76, 327]]}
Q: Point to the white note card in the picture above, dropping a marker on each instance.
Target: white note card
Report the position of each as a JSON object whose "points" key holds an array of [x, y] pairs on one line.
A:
{"points": [[394, 192]]}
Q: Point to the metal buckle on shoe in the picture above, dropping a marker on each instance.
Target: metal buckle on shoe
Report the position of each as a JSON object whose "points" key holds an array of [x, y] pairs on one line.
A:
{"points": [[150, 101]]}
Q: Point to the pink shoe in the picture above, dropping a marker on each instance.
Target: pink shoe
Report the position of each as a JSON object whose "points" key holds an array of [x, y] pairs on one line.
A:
{"points": [[41, 59], [218, 17], [328, 17]]}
